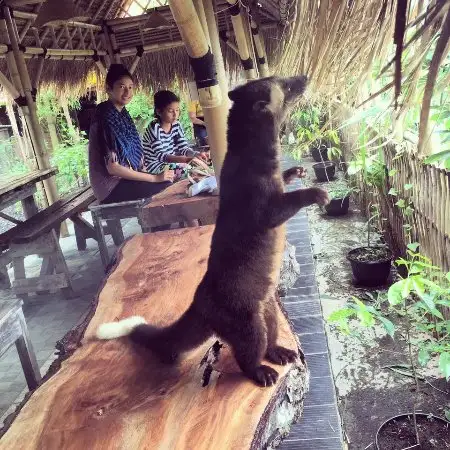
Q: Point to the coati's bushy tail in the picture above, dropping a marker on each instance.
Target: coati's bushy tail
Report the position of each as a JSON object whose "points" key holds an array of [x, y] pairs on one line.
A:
{"points": [[114, 330], [186, 333]]}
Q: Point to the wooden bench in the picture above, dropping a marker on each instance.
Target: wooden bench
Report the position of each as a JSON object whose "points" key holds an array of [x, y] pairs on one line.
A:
{"points": [[112, 213], [171, 206], [13, 330], [39, 235], [111, 394]]}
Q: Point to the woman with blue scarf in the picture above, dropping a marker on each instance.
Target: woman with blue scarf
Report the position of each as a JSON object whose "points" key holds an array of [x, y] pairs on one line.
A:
{"points": [[115, 149]]}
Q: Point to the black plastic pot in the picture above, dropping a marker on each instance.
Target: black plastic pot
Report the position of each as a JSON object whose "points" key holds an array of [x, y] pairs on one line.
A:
{"points": [[406, 416], [371, 266], [338, 206], [324, 171], [320, 154]]}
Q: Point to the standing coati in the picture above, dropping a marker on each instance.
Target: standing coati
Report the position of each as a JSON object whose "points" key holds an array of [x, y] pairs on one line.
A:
{"points": [[235, 299]]}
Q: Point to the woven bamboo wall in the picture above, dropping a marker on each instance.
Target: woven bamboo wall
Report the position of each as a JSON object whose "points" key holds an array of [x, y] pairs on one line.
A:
{"points": [[430, 199]]}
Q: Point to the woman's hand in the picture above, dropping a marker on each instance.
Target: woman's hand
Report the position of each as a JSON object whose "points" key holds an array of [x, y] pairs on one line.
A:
{"points": [[166, 176], [204, 156]]}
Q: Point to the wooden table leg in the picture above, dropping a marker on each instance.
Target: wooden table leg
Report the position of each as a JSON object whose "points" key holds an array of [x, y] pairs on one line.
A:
{"points": [[27, 357], [29, 206]]}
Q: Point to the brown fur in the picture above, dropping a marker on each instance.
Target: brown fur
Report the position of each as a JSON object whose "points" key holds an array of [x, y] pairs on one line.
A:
{"points": [[235, 299]]}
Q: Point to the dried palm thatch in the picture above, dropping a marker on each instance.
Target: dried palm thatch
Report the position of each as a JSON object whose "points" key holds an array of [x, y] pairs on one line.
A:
{"points": [[338, 43]]}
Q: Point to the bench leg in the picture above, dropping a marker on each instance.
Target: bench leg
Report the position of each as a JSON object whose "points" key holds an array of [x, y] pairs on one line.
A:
{"points": [[61, 267], [27, 357], [5, 282], [80, 237], [101, 239], [115, 228], [19, 271]]}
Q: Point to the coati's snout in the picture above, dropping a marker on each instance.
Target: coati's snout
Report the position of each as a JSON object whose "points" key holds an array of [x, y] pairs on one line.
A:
{"points": [[272, 95]]}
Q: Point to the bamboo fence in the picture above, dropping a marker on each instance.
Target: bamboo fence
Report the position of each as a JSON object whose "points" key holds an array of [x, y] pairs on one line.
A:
{"points": [[429, 222]]}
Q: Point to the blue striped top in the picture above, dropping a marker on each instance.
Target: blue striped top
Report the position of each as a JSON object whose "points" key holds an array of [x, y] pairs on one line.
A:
{"points": [[158, 145]]}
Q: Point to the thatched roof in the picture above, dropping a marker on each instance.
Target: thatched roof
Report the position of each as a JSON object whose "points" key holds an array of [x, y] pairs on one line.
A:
{"points": [[157, 68], [336, 43]]}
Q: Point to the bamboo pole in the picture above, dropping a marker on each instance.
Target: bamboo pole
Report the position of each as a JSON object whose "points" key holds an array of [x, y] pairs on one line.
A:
{"points": [[22, 141], [241, 40], [209, 90], [199, 8], [225, 38], [116, 54], [8, 86], [263, 66], [34, 126], [137, 58], [56, 52], [213, 30]]}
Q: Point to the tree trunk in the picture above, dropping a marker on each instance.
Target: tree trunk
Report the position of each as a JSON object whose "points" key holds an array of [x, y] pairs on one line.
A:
{"points": [[110, 394], [51, 123]]}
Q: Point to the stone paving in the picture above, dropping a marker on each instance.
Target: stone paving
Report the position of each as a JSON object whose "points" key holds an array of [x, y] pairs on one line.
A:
{"points": [[319, 427]]}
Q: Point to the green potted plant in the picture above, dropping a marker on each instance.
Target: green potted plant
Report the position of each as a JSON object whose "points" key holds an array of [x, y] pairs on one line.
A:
{"points": [[371, 264], [339, 199]]}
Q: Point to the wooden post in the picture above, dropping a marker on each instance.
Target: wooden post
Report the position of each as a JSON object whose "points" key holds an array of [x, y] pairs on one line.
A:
{"points": [[209, 91], [241, 40], [260, 50], [26, 88]]}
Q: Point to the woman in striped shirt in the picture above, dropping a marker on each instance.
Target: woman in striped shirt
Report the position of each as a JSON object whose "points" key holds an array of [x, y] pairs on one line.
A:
{"points": [[164, 142]]}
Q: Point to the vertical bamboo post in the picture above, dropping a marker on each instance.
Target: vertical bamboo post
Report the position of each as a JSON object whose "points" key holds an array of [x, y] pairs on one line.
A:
{"points": [[209, 90], [260, 50], [214, 39], [20, 139], [34, 125], [199, 7], [241, 40]]}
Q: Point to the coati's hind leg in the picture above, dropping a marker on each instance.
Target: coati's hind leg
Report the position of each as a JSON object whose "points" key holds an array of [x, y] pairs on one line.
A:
{"points": [[248, 339], [275, 353]]}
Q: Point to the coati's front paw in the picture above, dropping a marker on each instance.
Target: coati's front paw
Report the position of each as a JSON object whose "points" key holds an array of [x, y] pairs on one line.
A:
{"points": [[280, 355], [264, 376], [319, 196], [292, 173]]}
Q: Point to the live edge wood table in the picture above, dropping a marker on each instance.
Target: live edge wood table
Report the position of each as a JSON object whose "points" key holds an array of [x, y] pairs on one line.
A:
{"points": [[112, 395], [173, 205]]}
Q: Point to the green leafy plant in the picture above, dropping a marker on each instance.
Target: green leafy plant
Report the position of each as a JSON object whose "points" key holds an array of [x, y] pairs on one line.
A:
{"points": [[10, 163], [141, 110], [340, 190], [71, 158], [417, 298]]}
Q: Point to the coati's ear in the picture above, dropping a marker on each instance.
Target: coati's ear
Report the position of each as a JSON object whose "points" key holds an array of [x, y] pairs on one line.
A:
{"points": [[235, 94]]}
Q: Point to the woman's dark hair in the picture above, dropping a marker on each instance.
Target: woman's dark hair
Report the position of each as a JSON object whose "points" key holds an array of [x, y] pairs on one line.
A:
{"points": [[116, 72], [162, 99]]}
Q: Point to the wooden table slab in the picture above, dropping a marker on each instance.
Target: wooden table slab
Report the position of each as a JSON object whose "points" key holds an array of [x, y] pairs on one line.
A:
{"points": [[111, 395], [173, 205]]}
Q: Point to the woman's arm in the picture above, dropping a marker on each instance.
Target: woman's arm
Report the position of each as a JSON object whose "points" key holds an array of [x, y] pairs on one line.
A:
{"points": [[195, 120], [117, 170]]}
